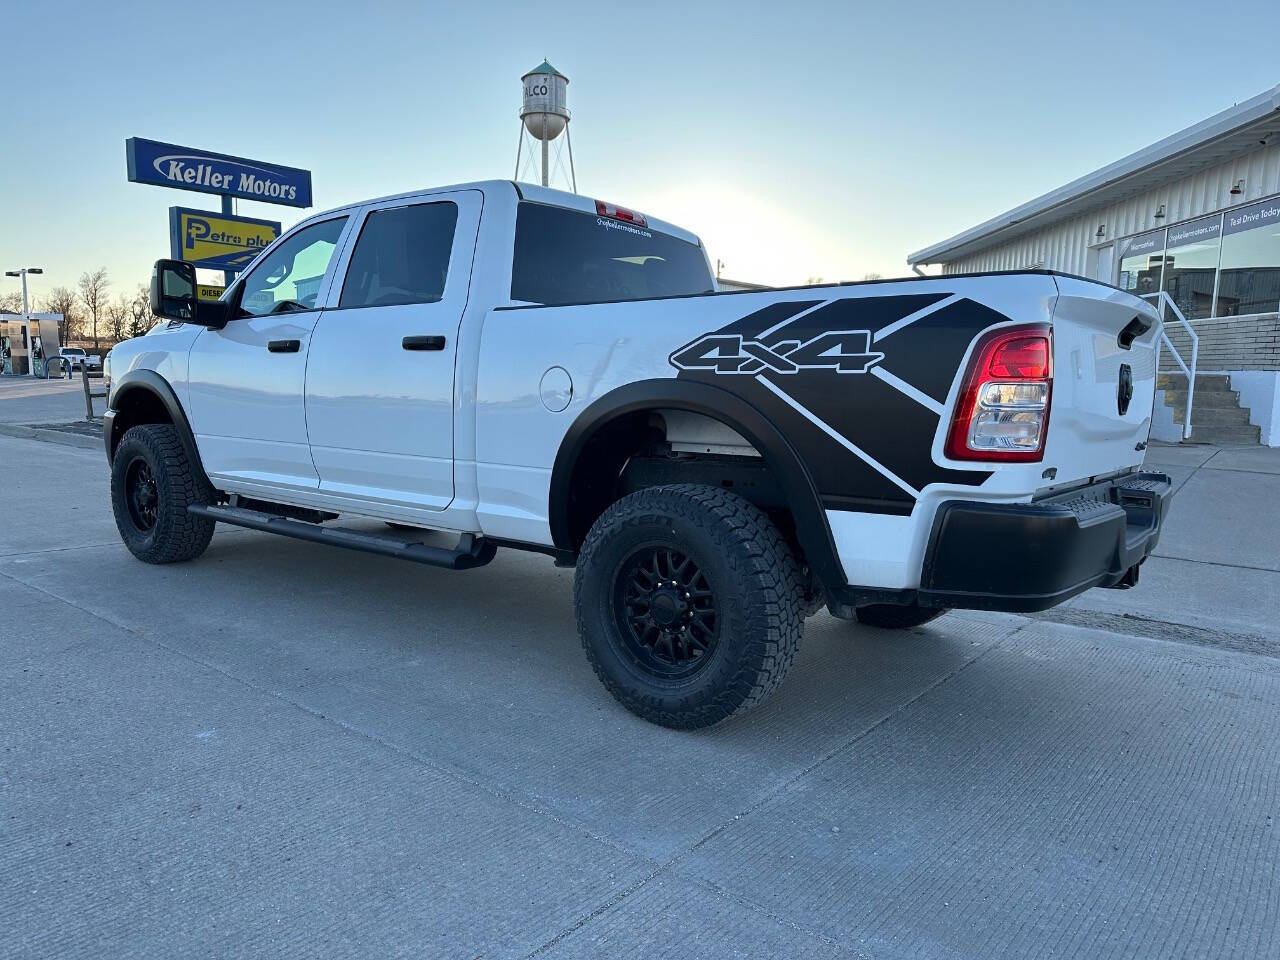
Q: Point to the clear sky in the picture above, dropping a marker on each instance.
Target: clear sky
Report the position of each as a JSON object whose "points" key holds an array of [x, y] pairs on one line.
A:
{"points": [[799, 139]]}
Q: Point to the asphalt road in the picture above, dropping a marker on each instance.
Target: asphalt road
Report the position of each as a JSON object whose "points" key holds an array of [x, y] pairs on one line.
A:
{"points": [[288, 750]]}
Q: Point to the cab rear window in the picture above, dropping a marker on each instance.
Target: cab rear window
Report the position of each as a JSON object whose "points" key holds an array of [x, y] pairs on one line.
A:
{"points": [[567, 256]]}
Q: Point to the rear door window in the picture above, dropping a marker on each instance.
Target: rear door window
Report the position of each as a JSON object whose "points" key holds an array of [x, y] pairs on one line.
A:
{"points": [[568, 256], [402, 256]]}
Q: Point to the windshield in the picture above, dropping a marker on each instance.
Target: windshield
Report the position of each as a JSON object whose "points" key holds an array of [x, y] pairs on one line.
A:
{"points": [[567, 256]]}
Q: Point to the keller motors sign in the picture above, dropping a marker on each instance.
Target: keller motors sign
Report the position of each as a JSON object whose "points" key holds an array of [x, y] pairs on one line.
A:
{"points": [[186, 168]]}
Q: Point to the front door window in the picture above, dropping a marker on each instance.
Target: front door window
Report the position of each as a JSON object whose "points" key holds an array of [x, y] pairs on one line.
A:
{"points": [[289, 277]]}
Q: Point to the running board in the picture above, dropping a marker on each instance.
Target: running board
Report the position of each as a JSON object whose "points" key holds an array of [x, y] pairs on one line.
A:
{"points": [[472, 551]]}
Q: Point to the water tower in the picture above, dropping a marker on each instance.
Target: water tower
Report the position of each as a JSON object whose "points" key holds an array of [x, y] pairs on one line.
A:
{"points": [[544, 116]]}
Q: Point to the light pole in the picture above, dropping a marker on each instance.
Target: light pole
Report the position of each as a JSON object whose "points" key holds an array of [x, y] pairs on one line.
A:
{"points": [[26, 311], [26, 308]]}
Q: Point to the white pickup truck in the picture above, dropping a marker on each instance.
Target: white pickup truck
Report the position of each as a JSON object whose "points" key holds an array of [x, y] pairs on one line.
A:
{"points": [[525, 368], [76, 357]]}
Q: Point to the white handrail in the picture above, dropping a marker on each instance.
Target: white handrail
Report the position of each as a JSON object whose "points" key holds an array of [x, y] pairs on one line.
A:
{"points": [[1190, 372]]}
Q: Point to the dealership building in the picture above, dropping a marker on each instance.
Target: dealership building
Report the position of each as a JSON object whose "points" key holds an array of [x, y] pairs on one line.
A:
{"points": [[1196, 215]]}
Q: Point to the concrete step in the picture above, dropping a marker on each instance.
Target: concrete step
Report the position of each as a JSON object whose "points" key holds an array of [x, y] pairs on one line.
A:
{"points": [[1226, 435], [1207, 382], [1216, 416], [1205, 398]]}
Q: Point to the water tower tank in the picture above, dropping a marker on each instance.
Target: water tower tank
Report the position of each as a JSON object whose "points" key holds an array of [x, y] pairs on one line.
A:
{"points": [[545, 112]]}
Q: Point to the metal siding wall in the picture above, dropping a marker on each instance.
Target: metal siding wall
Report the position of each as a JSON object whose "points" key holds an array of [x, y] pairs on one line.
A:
{"points": [[1064, 245]]}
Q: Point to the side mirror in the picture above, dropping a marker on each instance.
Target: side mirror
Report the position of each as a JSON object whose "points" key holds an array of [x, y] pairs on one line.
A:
{"points": [[173, 296]]}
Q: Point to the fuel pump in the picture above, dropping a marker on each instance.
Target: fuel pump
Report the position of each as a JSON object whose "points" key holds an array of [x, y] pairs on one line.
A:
{"points": [[6, 362]]}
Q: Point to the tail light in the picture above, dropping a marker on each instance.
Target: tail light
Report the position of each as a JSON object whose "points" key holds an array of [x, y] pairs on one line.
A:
{"points": [[1003, 410]]}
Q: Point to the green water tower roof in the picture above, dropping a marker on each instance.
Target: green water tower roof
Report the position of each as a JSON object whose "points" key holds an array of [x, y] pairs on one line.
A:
{"points": [[547, 68]]}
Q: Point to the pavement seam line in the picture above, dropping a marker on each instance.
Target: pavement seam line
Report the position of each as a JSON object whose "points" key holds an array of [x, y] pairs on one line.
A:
{"points": [[1256, 473], [764, 799], [1214, 563], [38, 553], [765, 911], [1179, 634], [697, 881], [799, 775], [592, 914]]}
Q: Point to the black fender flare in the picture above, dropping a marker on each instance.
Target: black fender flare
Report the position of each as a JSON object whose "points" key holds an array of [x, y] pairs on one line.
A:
{"points": [[150, 382], [812, 529]]}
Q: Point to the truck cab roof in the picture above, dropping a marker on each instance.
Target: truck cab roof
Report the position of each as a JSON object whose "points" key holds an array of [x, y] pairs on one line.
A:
{"points": [[523, 191]]}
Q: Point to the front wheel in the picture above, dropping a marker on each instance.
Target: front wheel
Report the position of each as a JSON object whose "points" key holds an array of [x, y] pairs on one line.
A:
{"points": [[688, 602], [152, 484], [889, 616]]}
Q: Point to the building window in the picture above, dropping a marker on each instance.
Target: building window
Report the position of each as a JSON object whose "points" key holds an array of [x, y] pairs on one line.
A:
{"points": [[1190, 265], [1141, 258], [1250, 277], [1225, 265]]}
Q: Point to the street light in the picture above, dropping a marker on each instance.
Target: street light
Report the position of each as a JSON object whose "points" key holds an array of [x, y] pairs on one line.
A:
{"points": [[26, 312]]}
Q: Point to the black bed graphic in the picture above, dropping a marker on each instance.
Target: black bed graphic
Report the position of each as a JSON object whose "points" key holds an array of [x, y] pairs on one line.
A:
{"points": [[858, 386]]}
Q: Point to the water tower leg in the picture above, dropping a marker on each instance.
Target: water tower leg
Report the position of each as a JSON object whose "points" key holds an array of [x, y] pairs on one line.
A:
{"points": [[519, 147], [545, 145], [573, 176]]}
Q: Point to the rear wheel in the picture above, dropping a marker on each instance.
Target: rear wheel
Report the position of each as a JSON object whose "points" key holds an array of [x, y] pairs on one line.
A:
{"points": [[152, 484], [889, 616], [688, 603]]}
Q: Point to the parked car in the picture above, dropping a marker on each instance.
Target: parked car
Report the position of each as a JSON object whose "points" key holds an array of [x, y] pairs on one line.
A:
{"points": [[78, 358], [532, 369]]}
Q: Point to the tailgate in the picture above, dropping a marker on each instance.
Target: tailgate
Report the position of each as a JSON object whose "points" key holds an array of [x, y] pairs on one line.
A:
{"points": [[1104, 351]]}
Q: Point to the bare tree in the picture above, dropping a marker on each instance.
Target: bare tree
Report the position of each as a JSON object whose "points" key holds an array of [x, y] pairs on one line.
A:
{"points": [[93, 294], [118, 316], [63, 300], [11, 302], [873, 276], [140, 318]]}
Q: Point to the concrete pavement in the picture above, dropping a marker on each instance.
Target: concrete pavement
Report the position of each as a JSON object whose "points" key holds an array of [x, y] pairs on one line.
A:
{"points": [[287, 750], [1215, 576], [28, 400]]}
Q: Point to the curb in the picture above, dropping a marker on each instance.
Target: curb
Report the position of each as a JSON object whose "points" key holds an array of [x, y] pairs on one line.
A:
{"points": [[34, 432]]}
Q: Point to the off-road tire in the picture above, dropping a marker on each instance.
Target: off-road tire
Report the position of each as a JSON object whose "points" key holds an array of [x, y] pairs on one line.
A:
{"points": [[890, 616], [175, 534], [755, 586]]}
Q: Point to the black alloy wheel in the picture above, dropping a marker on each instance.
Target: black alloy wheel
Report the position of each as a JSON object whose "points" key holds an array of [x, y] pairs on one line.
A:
{"points": [[666, 610], [688, 604], [140, 494]]}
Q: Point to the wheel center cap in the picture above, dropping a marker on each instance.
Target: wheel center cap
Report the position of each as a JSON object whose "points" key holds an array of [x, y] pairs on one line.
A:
{"points": [[665, 608]]}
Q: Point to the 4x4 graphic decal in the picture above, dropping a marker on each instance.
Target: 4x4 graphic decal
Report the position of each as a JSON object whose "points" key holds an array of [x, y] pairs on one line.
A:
{"points": [[867, 440], [844, 351]]}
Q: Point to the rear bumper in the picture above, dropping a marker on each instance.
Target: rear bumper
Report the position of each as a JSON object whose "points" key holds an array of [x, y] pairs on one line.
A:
{"points": [[1032, 556]]}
